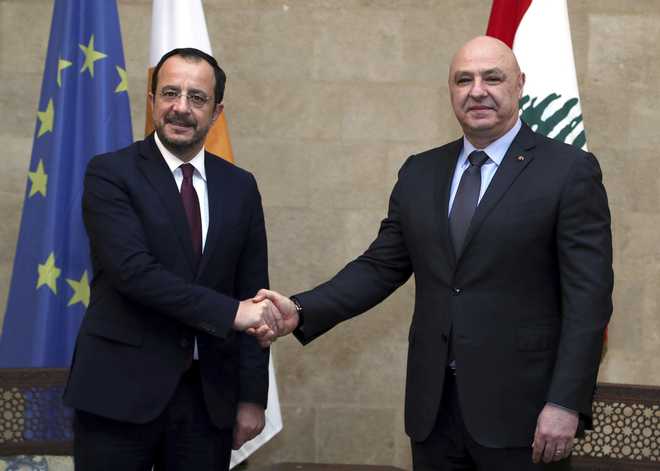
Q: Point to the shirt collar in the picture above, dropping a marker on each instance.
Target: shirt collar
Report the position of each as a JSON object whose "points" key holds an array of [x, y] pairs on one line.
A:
{"points": [[173, 162], [496, 150]]}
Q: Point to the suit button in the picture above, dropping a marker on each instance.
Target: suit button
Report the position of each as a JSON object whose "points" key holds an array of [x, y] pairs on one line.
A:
{"points": [[456, 291], [185, 343]]}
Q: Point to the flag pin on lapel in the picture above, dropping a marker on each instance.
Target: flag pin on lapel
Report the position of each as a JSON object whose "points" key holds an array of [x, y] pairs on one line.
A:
{"points": [[520, 158]]}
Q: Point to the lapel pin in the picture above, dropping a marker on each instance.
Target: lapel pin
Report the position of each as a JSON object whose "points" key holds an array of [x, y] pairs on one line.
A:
{"points": [[520, 158]]}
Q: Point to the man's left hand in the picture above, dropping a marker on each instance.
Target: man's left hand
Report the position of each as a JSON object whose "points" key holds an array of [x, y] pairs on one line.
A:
{"points": [[250, 421], [555, 431]]}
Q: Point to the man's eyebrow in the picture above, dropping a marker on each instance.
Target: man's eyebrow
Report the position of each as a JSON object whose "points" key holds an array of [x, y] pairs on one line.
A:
{"points": [[190, 90], [196, 90], [462, 73], [494, 70]]}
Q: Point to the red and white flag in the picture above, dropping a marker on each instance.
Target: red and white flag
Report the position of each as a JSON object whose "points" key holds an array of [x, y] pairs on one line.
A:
{"points": [[174, 24], [539, 33]]}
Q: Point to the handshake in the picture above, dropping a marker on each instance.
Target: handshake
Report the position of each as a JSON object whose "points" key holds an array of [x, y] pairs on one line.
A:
{"points": [[267, 316]]}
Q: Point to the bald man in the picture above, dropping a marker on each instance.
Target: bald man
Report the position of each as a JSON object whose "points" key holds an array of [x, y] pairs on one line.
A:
{"points": [[508, 235]]}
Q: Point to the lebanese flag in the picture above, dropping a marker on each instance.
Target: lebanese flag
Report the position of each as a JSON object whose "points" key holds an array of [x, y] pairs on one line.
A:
{"points": [[539, 33], [177, 24], [174, 24]]}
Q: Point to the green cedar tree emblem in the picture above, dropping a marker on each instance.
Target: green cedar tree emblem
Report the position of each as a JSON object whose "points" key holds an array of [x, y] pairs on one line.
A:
{"points": [[532, 113]]}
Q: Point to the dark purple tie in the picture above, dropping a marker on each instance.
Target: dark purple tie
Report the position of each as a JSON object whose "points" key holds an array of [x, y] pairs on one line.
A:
{"points": [[466, 199], [191, 206]]}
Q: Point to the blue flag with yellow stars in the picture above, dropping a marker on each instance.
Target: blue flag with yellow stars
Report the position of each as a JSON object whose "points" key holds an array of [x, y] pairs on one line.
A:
{"points": [[83, 111]]}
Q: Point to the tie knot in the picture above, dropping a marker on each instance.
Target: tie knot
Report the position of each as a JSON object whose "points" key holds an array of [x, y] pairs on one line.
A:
{"points": [[187, 170], [477, 158]]}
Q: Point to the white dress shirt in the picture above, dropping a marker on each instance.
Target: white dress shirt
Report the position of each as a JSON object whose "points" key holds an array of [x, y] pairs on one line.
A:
{"points": [[496, 151], [199, 183]]}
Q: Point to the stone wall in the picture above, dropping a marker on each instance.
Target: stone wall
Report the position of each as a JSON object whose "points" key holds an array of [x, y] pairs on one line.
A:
{"points": [[325, 100]]}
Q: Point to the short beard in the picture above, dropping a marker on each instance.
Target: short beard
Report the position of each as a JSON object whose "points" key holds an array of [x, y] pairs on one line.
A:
{"points": [[178, 147]]}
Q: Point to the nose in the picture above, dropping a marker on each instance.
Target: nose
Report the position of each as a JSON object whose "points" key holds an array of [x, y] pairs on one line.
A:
{"points": [[181, 104], [478, 90]]}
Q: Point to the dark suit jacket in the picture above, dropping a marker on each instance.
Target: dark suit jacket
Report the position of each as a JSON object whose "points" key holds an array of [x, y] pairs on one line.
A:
{"points": [[148, 304], [526, 303]]}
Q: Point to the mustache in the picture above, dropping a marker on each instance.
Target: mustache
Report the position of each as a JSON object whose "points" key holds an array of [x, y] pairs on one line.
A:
{"points": [[489, 103], [180, 120]]}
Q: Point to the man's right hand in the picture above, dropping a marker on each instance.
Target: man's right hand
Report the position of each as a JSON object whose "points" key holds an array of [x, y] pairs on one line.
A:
{"points": [[288, 321], [262, 314]]}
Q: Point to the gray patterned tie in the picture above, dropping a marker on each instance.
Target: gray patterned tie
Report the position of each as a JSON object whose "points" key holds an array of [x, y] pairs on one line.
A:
{"points": [[466, 199]]}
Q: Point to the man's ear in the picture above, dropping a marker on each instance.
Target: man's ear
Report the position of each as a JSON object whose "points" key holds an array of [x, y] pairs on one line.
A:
{"points": [[522, 83], [217, 110]]}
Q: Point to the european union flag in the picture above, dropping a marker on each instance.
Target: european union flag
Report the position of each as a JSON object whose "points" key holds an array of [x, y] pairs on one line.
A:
{"points": [[83, 111]]}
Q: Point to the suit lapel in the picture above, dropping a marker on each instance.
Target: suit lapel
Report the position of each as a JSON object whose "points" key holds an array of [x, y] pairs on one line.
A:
{"points": [[444, 175], [218, 195], [160, 177], [517, 157]]}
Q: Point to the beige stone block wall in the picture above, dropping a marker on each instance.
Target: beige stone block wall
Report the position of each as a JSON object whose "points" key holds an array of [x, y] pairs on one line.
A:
{"points": [[325, 100]]}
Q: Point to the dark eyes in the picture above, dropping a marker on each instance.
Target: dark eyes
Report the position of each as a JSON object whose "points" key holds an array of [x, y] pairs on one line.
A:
{"points": [[491, 80], [196, 99]]}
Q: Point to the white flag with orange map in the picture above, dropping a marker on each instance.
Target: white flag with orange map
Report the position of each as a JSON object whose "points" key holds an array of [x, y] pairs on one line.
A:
{"points": [[174, 24]]}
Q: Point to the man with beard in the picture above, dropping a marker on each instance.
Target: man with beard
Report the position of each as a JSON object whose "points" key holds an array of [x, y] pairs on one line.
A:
{"points": [[508, 235], [163, 375]]}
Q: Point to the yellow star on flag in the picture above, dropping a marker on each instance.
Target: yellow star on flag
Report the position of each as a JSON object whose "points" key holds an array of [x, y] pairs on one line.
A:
{"points": [[39, 180], [48, 273], [61, 65], [80, 290], [91, 56], [46, 119], [123, 84]]}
